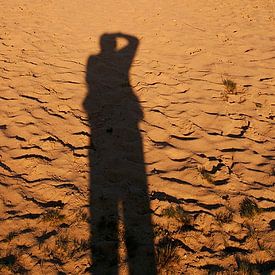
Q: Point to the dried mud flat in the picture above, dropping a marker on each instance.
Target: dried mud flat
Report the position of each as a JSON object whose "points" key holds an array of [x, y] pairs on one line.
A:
{"points": [[209, 152]]}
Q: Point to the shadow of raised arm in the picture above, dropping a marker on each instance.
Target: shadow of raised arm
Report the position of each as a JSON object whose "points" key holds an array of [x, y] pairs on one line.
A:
{"points": [[128, 51]]}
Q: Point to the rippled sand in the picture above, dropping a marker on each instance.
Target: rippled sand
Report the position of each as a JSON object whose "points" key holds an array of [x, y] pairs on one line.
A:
{"points": [[206, 149]]}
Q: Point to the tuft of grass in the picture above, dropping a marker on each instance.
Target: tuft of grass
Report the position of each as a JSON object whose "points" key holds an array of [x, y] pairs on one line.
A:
{"points": [[169, 212], [82, 215], [52, 215], [265, 246], [81, 245], [160, 231], [62, 242], [249, 208], [11, 235], [230, 86], [166, 252], [245, 267], [206, 175], [251, 230], [261, 245], [225, 216], [8, 261], [180, 215], [11, 263], [67, 247]]}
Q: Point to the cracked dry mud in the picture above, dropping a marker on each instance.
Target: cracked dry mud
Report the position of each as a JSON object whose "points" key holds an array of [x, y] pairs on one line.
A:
{"points": [[205, 150]]}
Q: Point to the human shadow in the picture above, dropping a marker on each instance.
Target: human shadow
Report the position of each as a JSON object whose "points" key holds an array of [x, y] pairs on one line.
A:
{"points": [[119, 202]]}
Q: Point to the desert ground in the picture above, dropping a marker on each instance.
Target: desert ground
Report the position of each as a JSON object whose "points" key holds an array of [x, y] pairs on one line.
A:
{"points": [[137, 137]]}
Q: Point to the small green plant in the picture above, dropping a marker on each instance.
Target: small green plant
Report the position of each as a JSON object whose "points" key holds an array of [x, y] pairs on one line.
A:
{"points": [[11, 263], [261, 245], [67, 247], [82, 215], [7, 261], [62, 242], [11, 235], [206, 175], [169, 212], [160, 231], [52, 215], [180, 215], [166, 252], [251, 230], [264, 246], [225, 216], [230, 86], [81, 245], [249, 208]]}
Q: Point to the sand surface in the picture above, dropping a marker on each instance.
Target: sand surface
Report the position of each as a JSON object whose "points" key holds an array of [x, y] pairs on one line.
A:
{"points": [[205, 149]]}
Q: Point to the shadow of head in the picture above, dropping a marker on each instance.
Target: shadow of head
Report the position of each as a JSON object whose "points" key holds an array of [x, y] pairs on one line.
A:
{"points": [[108, 43]]}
